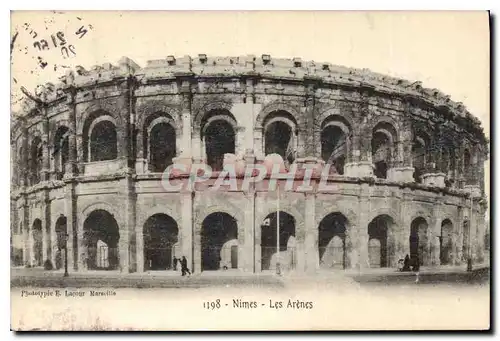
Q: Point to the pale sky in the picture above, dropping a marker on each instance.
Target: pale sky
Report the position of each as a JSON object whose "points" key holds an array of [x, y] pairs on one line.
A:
{"points": [[445, 50]]}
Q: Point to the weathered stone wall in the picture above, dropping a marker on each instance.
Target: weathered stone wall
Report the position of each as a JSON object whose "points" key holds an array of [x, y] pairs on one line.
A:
{"points": [[182, 91]]}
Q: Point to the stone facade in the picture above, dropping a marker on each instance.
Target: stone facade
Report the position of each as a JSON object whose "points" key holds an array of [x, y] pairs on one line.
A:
{"points": [[409, 168]]}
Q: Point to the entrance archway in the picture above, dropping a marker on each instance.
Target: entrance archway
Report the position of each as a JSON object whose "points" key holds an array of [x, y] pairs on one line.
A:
{"points": [[61, 231], [446, 242], [419, 240], [380, 242], [269, 256], [160, 238], [38, 242], [100, 225], [331, 241], [219, 242]]}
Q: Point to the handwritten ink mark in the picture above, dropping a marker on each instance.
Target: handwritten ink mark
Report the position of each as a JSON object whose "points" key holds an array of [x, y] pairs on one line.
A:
{"points": [[71, 49], [82, 30], [41, 62], [13, 40]]}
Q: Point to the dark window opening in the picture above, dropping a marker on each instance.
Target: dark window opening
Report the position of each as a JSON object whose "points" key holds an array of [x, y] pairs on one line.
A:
{"points": [[162, 147], [219, 140], [287, 249], [279, 140], [160, 237], [381, 154], [101, 236], [103, 142], [331, 241], [334, 147], [219, 242]]}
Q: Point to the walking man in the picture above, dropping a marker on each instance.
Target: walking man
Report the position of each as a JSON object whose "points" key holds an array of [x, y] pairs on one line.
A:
{"points": [[184, 267]]}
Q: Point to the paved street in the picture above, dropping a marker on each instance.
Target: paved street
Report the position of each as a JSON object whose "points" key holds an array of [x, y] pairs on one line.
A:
{"points": [[21, 277]]}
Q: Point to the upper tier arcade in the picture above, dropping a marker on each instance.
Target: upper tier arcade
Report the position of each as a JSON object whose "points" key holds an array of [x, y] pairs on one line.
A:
{"points": [[365, 124]]}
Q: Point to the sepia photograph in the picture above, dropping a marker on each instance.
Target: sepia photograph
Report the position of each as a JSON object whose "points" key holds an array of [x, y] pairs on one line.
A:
{"points": [[250, 171]]}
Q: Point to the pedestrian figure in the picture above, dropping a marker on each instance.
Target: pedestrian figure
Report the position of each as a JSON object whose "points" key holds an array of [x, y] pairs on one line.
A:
{"points": [[406, 264], [184, 266], [175, 263]]}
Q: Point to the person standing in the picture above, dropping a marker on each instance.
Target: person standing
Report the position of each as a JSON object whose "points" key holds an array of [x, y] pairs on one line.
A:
{"points": [[176, 260], [184, 266]]}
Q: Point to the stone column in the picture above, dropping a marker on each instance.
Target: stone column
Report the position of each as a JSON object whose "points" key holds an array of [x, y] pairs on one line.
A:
{"points": [[71, 168], [45, 238], [361, 161], [239, 148], [435, 229], [128, 221], [351, 245], [311, 234], [74, 258], [197, 153], [185, 147], [458, 242], [259, 205], [364, 210], [405, 218], [30, 243], [53, 244], [47, 227], [249, 230], [45, 176], [187, 227], [139, 248], [259, 142], [26, 228]]}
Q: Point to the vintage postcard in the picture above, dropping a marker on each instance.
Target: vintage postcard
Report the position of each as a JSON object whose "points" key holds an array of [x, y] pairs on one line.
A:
{"points": [[249, 171]]}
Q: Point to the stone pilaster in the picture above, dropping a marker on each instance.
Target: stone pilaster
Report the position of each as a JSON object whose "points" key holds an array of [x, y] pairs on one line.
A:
{"points": [[259, 142], [74, 258], [126, 233], [45, 173], [47, 228], [311, 234], [72, 169], [250, 226], [259, 205], [364, 210]]}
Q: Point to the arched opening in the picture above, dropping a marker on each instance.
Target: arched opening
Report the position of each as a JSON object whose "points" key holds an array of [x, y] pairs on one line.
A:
{"points": [[159, 141], [219, 236], [419, 249], [419, 156], [219, 136], [280, 135], [61, 151], [61, 231], [448, 164], [17, 246], [382, 143], [380, 242], [331, 241], [100, 225], [269, 255], [103, 141], [38, 242], [36, 160], [160, 238], [445, 253], [161, 146], [334, 147]]}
